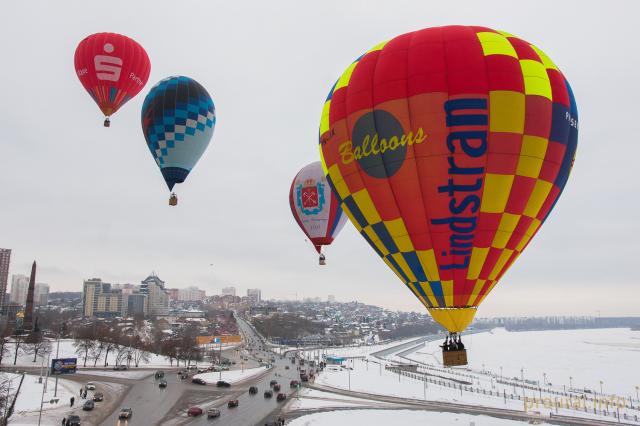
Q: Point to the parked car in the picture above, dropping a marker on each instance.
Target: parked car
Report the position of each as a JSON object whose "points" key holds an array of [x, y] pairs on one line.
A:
{"points": [[201, 370], [98, 396], [304, 377], [281, 397], [286, 367], [273, 382], [213, 412], [294, 384], [276, 387], [90, 386], [223, 384], [192, 367], [73, 420], [268, 394], [88, 405], [159, 374], [253, 390], [194, 411], [125, 413], [233, 403], [120, 367], [198, 381], [162, 384]]}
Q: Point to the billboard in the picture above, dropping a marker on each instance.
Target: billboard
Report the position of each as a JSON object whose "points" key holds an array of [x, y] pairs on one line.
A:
{"points": [[63, 366], [207, 340]]}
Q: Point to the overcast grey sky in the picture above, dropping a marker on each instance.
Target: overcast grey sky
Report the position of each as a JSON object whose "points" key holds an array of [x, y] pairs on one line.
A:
{"points": [[86, 201]]}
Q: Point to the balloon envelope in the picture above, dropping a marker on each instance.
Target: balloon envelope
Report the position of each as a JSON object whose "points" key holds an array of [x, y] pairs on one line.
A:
{"points": [[448, 147], [315, 207], [112, 68], [178, 118]]}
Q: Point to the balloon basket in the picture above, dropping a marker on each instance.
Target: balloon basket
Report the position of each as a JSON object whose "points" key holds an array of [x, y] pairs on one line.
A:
{"points": [[173, 200], [107, 122], [321, 260], [454, 358]]}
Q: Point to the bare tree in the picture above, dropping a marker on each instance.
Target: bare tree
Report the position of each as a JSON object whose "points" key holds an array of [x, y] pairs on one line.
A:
{"points": [[5, 332], [84, 342], [36, 345], [18, 339], [96, 351]]}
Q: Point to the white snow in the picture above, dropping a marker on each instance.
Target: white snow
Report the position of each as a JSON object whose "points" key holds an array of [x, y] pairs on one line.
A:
{"points": [[588, 356], [313, 399], [482, 389], [396, 417], [232, 376], [128, 374]]}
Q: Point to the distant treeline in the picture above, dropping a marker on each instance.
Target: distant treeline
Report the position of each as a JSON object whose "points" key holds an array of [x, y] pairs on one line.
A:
{"points": [[561, 323]]}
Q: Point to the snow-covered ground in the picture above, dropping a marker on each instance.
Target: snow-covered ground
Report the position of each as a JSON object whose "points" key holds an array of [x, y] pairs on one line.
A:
{"points": [[28, 401], [67, 350], [128, 374], [313, 399], [232, 376], [354, 351], [396, 417], [369, 375], [587, 356]]}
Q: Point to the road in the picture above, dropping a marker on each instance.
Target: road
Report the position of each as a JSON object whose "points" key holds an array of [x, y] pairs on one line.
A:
{"points": [[253, 410]]}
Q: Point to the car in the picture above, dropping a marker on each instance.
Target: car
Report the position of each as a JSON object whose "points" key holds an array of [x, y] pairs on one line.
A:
{"points": [[192, 367], [90, 386], [198, 381], [294, 384], [281, 397], [98, 396], [120, 367], [233, 403], [159, 375], [304, 377], [213, 412], [273, 382], [162, 384], [286, 367], [194, 411], [125, 413], [276, 387], [73, 420], [224, 368], [223, 384], [268, 394], [88, 405], [201, 370], [253, 390]]}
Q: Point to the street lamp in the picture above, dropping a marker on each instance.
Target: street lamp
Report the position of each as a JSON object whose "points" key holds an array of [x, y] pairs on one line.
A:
{"points": [[544, 379], [501, 372], [601, 382], [637, 388], [570, 382]]}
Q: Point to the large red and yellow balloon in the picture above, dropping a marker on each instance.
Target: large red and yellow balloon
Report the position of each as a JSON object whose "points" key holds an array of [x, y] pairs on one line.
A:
{"points": [[112, 68], [448, 147]]}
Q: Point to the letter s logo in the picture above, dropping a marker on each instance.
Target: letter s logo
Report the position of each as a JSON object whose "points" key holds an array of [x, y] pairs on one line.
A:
{"points": [[107, 67]]}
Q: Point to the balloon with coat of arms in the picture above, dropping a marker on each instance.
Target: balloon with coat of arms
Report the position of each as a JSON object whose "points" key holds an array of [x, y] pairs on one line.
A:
{"points": [[448, 148], [315, 207]]}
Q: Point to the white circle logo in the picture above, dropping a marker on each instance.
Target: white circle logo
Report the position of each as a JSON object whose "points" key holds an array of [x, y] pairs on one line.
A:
{"points": [[108, 47]]}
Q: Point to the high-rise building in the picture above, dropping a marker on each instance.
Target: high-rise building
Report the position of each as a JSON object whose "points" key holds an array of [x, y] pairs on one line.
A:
{"points": [[191, 294], [174, 293], [5, 259], [254, 295], [19, 287], [137, 304], [157, 296], [100, 300], [229, 291], [41, 295]]}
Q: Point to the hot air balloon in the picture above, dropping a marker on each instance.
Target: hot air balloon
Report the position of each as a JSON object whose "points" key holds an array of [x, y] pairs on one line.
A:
{"points": [[178, 118], [113, 68], [447, 148], [315, 207]]}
